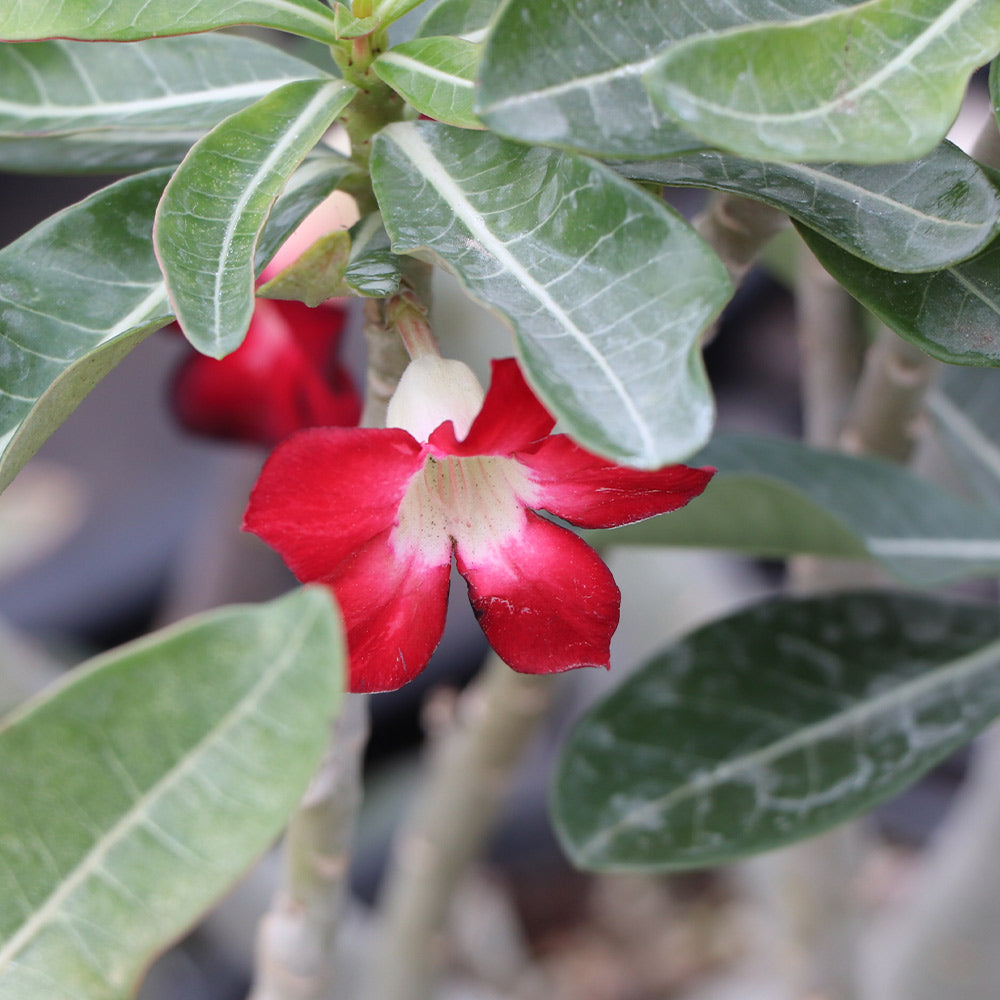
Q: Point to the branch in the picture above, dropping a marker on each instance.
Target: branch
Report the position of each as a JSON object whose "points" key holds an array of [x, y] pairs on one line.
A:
{"points": [[295, 943], [470, 766], [738, 229]]}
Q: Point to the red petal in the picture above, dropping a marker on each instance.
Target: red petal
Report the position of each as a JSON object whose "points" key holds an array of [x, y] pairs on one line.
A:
{"points": [[592, 492], [327, 500], [545, 600], [325, 493], [394, 612], [284, 377], [510, 420]]}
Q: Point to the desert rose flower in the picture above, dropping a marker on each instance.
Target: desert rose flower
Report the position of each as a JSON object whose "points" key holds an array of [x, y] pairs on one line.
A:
{"points": [[285, 376], [376, 515]]}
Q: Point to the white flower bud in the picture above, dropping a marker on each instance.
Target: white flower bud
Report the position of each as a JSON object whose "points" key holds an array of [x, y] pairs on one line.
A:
{"points": [[431, 391]]}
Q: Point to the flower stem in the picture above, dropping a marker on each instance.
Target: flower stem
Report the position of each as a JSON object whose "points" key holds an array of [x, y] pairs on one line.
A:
{"points": [[408, 315], [470, 765]]}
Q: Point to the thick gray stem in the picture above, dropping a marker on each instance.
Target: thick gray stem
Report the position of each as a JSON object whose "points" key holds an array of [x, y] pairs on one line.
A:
{"points": [[832, 347], [738, 229], [886, 416], [295, 944], [471, 762]]}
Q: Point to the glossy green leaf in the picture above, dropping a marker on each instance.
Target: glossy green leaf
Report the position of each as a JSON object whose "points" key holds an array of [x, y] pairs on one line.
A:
{"points": [[952, 314], [388, 11], [131, 20], [776, 498], [76, 294], [916, 216], [607, 290], [136, 793], [83, 288], [772, 725], [590, 95], [871, 83], [74, 106], [373, 270], [463, 18], [212, 211], [435, 76]]}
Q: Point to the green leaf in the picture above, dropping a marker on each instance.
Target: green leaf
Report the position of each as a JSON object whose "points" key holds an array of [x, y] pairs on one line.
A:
{"points": [[373, 270], [435, 76], [135, 794], [952, 314], [74, 106], [872, 83], [591, 96], [794, 500], [607, 289], [348, 26], [83, 288], [213, 209], [131, 20], [772, 725], [467, 19], [388, 11], [594, 101], [917, 216], [77, 292]]}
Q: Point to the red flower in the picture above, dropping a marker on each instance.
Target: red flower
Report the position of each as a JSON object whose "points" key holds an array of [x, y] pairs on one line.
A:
{"points": [[285, 376], [375, 514]]}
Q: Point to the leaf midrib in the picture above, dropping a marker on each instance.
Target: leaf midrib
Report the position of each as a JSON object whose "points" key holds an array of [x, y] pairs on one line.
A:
{"points": [[905, 56], [131, 819], [829, 726], [420, 154], [179, 100]]}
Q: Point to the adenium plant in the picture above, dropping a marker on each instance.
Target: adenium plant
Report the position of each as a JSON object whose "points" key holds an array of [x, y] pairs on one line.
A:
{"points": [[524, 147]]}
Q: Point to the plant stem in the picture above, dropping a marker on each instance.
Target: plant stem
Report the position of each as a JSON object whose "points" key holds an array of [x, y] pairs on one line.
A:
{"points": [[738, 229], [885, 416], [387, 360], [942, 943], [832, 348], [469, 768], [408, 316], [295, 944]]}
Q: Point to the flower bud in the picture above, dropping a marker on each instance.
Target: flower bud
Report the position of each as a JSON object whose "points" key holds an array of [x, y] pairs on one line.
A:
{"points": [[431, 391]]}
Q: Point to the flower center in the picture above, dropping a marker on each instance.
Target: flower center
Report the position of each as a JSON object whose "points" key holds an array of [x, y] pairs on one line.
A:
{"points": [[476, 502]]}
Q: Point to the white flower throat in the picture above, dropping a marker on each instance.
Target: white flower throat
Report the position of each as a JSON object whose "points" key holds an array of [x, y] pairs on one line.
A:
{"points": [[476, 502]]}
